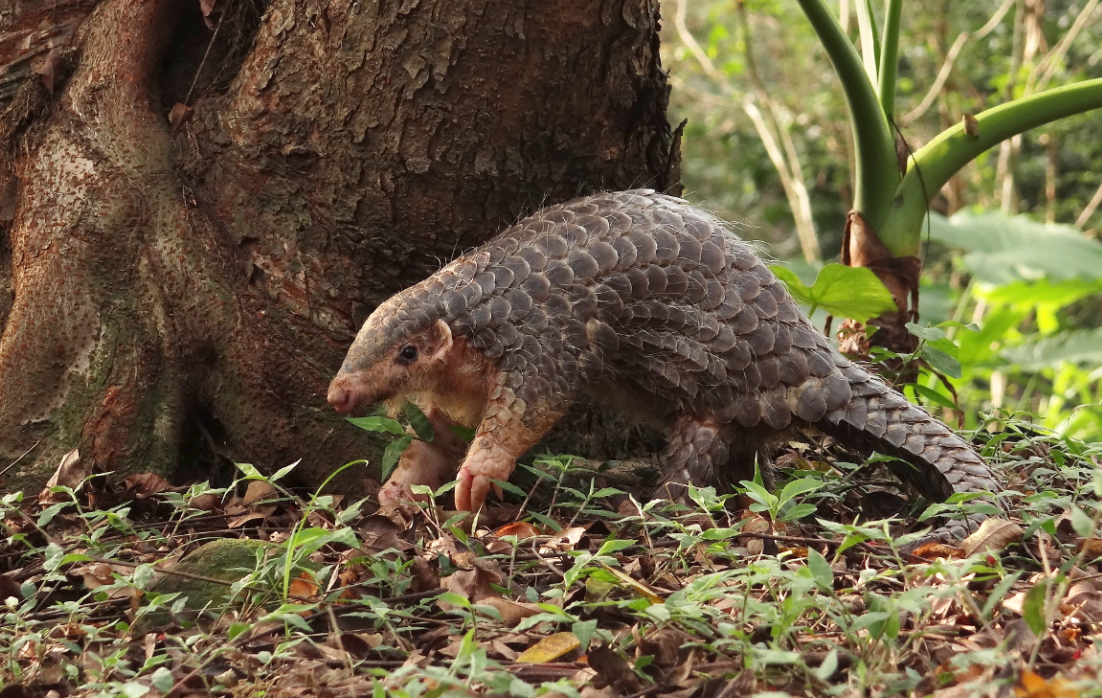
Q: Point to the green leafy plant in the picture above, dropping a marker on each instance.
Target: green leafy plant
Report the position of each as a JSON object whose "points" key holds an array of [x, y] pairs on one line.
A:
{"points": [[381, 424], [890, 205], [783, 505]]}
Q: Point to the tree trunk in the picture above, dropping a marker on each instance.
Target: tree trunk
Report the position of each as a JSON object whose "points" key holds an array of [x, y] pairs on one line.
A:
{"points": [[178, 285]]}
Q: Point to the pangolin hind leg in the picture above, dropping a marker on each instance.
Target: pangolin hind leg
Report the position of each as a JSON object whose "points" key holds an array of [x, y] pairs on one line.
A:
{"points": [[705, 451]]}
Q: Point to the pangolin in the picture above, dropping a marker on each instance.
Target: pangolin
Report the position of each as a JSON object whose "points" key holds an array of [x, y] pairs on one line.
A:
{"points": [[641, 298]]}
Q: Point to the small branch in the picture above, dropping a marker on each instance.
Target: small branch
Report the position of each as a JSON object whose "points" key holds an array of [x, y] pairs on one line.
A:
{"points": [[809, 243], [950, 61], [1081, 221], [1042, 74], [25, 453], [694, 48], [788, 167], [939, 82], [788, 171]]}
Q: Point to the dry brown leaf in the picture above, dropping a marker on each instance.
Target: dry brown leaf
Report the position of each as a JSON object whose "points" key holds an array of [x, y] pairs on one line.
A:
{"points": [[424, 574], [1032, 685], [146, 484], [993, 535], [503, 651], [565, 541], [512, 612], [303, 587], [239, 521], [615, 669], [520, 529], [9, 588], [179, 114], [933, 551], [70, 473], [1014, 603], [1091, 548], [549, 649], [1083, 602], [475, 584], [206, 502], [98, 574], [259, 491]]}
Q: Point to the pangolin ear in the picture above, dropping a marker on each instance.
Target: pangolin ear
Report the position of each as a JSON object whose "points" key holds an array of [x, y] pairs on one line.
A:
{"points": [[443, 340]]}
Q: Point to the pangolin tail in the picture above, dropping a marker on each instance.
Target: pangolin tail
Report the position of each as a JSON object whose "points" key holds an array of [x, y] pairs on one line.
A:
{"points": [[936, 461]]}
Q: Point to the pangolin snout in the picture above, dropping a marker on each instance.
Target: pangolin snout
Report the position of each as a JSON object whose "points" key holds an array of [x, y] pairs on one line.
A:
{"points": [[342, 397]]}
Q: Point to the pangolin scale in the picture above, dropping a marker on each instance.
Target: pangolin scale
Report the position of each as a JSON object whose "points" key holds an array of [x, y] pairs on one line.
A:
{"points": [[641, 298]]}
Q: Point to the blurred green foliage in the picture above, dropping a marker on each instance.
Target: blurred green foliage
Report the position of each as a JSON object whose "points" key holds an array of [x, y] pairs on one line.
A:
{"points": [[1016, 268]]}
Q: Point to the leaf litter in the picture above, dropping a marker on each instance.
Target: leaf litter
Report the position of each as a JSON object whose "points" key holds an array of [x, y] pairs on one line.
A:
{"points": [[577, 588]]}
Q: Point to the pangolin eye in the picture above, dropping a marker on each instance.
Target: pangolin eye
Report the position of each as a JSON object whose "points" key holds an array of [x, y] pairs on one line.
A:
{"points": [[408, 352]]}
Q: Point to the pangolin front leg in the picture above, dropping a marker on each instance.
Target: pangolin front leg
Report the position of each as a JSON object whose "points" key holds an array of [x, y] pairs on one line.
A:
{"points": [[425, 463], [510, 426]]}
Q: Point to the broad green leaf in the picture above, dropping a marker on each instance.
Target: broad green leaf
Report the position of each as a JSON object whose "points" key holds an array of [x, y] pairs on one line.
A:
{"points": [[163, 680], [509, 487], [284, 471], [520, 688], [1082, 523], [802, 486], [940, 361], [852, 292], [933, 396], [615, 545], [420, 423], [799, 511], [584, 631], [1043, 292], [250, 472], [393, 452], [820, 570], [607, 492], [385, 425], [998, 594], [1033, 609], [830, 664], [1006, 249], [465, 433], [1074, 347], [799, 290], [237, 629], [133, 689], [454, 599], [930, 334]]}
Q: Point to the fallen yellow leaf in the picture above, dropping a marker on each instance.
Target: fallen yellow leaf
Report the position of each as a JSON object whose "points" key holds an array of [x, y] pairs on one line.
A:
{"points": [[549, 649]]}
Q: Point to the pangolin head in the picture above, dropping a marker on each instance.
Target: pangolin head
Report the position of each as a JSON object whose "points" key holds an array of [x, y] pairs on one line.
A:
{"points": [[395, 352]]}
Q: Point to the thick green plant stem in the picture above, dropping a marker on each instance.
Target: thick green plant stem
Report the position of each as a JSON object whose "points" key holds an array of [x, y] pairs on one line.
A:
{"points": [[876, 176], [937, 161], [889, 57], [870, 42]]}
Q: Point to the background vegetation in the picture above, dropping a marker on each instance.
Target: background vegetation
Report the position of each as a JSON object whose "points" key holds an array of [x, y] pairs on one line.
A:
{"points": [[576, 586], [1017, 263]]}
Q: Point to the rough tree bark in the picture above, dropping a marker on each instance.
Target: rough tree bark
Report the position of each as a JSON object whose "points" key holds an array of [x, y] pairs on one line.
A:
{"points": [[174, 295]]}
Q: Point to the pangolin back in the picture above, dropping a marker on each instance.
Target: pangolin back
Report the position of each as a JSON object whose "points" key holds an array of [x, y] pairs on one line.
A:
{"points": [[641, 295]]}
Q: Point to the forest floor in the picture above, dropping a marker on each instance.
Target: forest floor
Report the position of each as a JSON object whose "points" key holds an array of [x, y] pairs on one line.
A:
{"points": [[572, 587]]}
